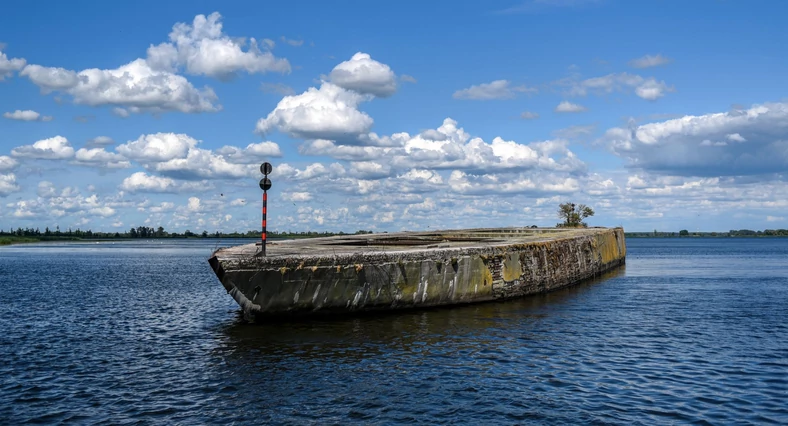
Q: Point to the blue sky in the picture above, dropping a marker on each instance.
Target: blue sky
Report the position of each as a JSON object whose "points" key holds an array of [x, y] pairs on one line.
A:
{"points": [[661, 115]]}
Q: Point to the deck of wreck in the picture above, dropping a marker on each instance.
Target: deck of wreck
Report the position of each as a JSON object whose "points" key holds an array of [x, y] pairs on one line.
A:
{"points": [[402, 243]]}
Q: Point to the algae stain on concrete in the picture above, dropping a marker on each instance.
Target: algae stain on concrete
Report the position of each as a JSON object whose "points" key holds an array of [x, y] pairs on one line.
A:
{"points": [[512, 269]]}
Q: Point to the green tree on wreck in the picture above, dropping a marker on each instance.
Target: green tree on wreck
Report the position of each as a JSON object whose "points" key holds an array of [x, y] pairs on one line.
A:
{"points": [[573, 215]]}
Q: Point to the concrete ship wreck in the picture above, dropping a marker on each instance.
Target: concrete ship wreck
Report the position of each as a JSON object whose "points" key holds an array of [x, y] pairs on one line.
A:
{"points": [[379, 272]]}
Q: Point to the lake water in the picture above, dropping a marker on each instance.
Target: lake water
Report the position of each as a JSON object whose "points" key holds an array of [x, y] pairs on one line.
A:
{"points": [[691, 331]]}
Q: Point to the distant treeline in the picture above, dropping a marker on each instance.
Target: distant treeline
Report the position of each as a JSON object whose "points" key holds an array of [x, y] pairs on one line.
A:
{"points": [[732, 233], [146, 232], [36, 234]]}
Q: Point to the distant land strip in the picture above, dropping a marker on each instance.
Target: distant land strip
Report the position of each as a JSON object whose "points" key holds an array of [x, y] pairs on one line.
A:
{"points": [[724, 234], [32, 235]]}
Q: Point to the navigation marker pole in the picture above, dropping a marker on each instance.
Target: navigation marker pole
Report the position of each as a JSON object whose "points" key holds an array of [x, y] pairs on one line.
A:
{"points": [[265, 185]]}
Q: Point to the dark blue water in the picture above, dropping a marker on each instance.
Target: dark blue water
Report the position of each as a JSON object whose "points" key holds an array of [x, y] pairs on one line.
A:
{"points": [[693, 331]]}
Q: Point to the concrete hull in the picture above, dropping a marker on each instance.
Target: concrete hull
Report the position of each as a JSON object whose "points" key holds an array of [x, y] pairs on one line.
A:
{"points": [[412, 270]]}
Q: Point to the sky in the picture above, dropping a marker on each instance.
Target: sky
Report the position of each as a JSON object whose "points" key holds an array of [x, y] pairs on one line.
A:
{"points": [[388, 116]]}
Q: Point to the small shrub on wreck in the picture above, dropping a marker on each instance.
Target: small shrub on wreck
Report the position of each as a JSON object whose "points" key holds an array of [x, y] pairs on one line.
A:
{"points": [[573, 215]]}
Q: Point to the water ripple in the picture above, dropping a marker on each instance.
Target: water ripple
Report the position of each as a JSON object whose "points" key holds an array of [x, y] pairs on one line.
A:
{"points": [[693, 331]]}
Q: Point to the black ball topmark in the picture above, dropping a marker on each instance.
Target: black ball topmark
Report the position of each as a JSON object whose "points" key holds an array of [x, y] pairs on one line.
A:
{"points": [[265, 184]]}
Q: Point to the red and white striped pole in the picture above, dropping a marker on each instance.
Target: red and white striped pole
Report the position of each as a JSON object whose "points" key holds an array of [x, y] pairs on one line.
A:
{"points": [[265, 185], [265, 208]]}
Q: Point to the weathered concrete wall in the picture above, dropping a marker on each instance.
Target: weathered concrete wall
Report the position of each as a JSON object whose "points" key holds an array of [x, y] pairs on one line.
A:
{"points": [[305, 284]]}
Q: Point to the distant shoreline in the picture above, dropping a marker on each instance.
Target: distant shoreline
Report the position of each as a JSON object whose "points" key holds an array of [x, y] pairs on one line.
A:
{"points": [[733, 234], [639, 235], [13, 240]]}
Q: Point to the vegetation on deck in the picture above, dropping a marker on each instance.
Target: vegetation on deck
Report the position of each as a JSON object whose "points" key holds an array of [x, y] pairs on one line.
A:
{"points": [[573, 215]]}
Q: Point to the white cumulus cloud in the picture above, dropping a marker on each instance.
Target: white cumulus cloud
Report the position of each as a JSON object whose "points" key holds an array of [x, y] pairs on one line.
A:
{"points": [[50, 79], [498, 89], [203, 49], [56, 148], [342, 152], [465, 183], [46, 189], [528, 115], [9, 66], [98, 157], [158, 147], [645, 88], [365, 75], [26, 115], [330, 112], [297, 196], [566, 106], [194, 205], [103, 211], [135, 86], [142, 182], [7, 163], [177, 156], [201, 164], [121, 112], [738, 142], [447, 147], [292, 42], [652, 89], [649, 61], [252, 154], [370, 170], [100, 141], [8, 184]]}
